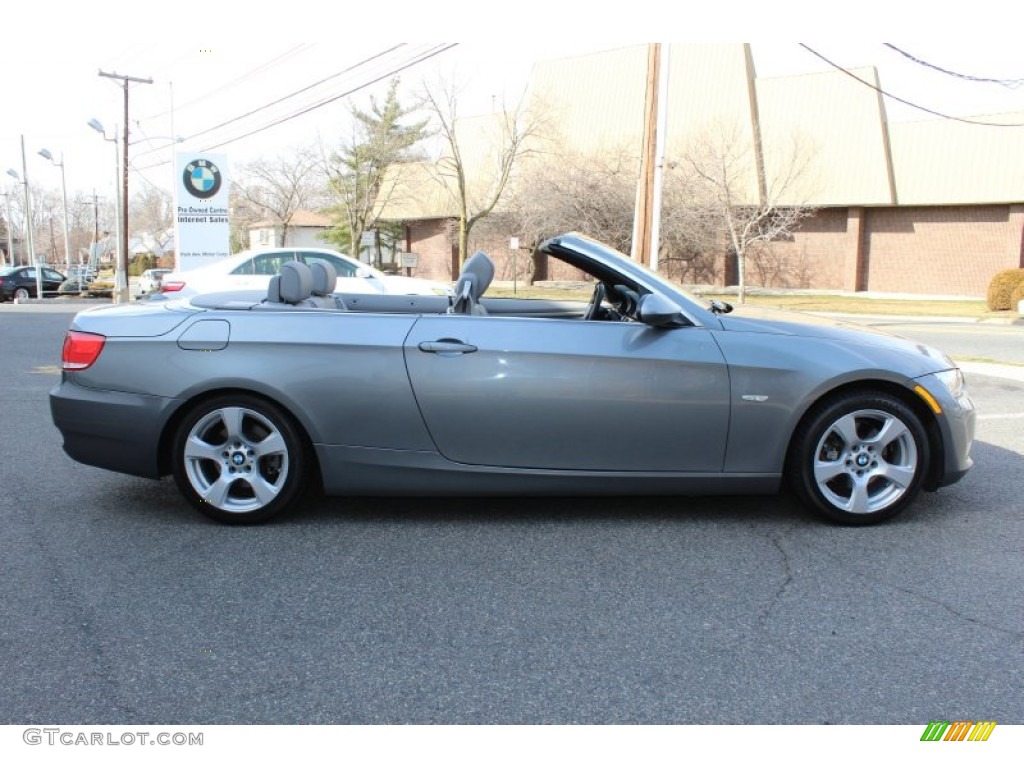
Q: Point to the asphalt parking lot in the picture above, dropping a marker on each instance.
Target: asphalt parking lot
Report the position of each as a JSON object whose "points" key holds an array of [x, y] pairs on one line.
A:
{"points": [[123, 605]]}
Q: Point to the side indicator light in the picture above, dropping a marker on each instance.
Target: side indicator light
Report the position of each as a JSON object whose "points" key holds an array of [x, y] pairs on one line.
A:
{"points": [[925, 395]]}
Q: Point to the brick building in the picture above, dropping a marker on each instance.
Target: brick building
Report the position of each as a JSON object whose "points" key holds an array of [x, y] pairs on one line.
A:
{"points": [[932, 206]]}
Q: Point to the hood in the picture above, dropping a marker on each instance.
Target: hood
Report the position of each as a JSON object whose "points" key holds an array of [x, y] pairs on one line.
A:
{"points": [[786, 323]]}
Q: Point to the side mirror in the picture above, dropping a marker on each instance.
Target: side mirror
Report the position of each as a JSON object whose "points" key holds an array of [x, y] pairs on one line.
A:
{"points": [[656, 310]]}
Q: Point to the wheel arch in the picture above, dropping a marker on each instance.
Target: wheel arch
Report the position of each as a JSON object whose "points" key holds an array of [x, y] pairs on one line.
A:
{"points": [[931, 426], [165, 444]]}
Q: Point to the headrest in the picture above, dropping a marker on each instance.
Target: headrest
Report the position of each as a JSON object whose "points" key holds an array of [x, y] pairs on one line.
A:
{"points": [[296, 282], [478, 271], [274, 289], [325, 278]]}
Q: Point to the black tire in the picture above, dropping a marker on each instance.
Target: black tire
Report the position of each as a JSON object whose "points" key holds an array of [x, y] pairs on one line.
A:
{"points": [[859, 458], [239, 459], [22, 293]]}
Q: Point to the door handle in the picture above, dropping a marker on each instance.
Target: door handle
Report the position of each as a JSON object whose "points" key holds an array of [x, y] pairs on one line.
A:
{"points": [[446, 346]]}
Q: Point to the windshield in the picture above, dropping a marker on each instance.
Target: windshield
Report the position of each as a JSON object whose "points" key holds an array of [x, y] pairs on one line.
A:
{"points": [[624, 263]]}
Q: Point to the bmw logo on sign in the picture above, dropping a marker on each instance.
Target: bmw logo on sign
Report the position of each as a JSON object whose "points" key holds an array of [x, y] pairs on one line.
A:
{"points": [[202, 179]]}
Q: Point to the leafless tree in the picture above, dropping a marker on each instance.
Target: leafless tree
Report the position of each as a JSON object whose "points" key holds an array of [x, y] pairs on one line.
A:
{"points": [[725, 169], [151, 213], [479, 156], [595, 193], [566, 190], [280, 186]]}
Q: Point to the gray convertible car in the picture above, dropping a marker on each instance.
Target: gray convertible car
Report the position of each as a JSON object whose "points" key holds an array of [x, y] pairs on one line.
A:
{"points": [[252, 400]]}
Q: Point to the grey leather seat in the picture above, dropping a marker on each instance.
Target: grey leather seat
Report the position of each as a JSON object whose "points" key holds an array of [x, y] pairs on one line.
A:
{"points": [[476, 275]]}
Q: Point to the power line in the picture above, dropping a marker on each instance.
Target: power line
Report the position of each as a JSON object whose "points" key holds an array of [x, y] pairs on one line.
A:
{"points": [[281, 99], [231, 83], [909, 103], [420, 58], [375, 78], [997, 81]]}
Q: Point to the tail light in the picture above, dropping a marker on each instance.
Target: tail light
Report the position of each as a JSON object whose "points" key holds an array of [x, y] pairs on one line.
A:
{"points": [[172, 286], [81, 350]]}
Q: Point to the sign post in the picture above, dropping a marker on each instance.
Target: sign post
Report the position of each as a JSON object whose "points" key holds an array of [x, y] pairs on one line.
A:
{"points": [[513, 245], [201, 231], [409, 262]]}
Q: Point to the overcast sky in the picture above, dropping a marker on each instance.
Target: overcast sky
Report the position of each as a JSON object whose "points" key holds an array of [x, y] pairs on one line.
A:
{"points": [[220, 64]]}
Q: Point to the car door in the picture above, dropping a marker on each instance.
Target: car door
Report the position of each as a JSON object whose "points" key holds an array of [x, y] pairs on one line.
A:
{"points": [[570, 394], [27, 279], [51, 281]]}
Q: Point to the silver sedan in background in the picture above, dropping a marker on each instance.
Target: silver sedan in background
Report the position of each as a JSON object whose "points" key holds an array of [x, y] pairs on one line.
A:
{"points": [[251, 400]]}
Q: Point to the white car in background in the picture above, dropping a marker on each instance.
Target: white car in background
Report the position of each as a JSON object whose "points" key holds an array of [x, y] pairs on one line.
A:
{"points": [[149, 281], [252, 270]]}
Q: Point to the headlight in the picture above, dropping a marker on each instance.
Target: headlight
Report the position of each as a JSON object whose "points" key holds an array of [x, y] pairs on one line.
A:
{"points": [[953, 381]]}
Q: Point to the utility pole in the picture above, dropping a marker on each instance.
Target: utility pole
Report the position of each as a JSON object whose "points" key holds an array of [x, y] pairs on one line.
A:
{"points": [[10, 238], [121, 294], [645, 189], [94, 251]]}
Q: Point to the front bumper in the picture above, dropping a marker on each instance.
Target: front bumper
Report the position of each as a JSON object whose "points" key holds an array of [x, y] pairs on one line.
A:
{"points": [[956, 424]]}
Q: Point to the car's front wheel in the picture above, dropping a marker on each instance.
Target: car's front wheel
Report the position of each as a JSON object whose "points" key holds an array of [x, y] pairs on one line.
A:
{"points": [[239, 459], [860, 458]]}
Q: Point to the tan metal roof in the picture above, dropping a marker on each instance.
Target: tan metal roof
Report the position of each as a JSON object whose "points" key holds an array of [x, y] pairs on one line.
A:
{"points": [[944, 162]]}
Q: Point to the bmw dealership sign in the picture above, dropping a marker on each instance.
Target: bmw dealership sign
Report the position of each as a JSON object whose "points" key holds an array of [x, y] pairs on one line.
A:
{"points": [[201, 202]]}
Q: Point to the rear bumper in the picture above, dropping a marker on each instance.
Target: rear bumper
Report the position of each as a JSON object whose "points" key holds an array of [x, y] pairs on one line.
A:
{"points": [[112, 430]]}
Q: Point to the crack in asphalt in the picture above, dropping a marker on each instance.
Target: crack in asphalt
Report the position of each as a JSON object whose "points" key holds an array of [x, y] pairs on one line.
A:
{"points": [[1015, 633], [787, 574]]}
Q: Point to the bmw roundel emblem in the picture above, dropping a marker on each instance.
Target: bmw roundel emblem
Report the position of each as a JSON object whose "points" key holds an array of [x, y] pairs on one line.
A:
{"points": [[202, 179]]}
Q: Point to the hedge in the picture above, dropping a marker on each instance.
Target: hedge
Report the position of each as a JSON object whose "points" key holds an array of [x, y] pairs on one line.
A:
{"points": [[1002, 287]]}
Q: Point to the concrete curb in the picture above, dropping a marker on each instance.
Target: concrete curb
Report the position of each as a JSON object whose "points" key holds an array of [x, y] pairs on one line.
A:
{"points": [[909, 319]]}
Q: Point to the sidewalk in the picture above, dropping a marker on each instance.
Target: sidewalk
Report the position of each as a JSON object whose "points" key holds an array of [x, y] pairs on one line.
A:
{"points": [[1011, 372]]}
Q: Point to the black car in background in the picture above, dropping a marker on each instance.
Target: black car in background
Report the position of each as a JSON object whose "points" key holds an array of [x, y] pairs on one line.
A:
{"points": [[20, 282]]}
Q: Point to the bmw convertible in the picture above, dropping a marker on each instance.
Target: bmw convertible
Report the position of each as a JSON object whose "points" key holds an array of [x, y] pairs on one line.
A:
{"points": [[254, 400]]}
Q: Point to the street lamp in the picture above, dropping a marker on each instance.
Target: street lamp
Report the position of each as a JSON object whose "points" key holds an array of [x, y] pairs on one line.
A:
{"points": [[28, 220], [45, 153], [121, 279], [10, 237]]}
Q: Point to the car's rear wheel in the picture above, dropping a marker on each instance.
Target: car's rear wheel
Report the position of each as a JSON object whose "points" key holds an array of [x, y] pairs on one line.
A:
{"points": [[239, 459], [21, 293], [860, 458]]}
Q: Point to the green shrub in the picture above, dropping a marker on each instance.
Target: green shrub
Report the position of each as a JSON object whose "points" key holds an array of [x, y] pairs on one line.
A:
{"points": [[1002, 286], [141, 263]]}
